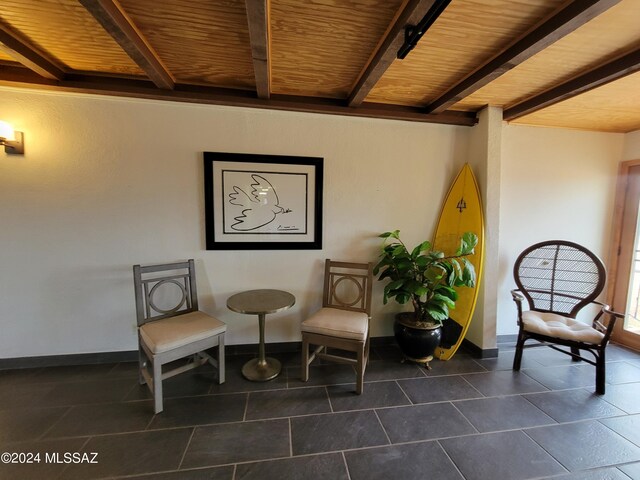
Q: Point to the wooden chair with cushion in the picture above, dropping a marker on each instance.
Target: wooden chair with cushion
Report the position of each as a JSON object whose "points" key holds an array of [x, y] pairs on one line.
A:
{"points": [[558, 279], [343, 321], [170, 326]]}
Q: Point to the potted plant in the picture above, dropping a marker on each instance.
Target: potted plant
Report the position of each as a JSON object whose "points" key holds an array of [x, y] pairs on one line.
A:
{"points": [[428, 279]]}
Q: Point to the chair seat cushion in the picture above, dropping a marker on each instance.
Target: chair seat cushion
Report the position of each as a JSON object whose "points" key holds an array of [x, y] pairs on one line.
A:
{"points": [[553, 325], [174, 332], [335, 322]]}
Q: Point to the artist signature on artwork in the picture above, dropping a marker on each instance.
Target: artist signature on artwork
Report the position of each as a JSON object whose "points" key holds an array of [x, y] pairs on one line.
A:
{"points": [[288, 228]]}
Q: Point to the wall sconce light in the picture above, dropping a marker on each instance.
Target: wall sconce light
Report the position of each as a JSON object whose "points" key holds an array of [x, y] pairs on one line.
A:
{"points": [[13, 141]]}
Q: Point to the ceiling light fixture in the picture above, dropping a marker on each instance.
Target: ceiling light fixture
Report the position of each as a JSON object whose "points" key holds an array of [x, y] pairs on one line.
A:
{"points": [[13, 141], [413, 33]]}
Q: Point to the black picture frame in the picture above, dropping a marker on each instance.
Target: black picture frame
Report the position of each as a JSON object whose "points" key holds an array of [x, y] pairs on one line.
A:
{"points": [[262, 202]]}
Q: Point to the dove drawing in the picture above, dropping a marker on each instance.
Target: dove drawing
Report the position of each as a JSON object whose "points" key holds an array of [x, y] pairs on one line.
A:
{"points": [[259, 206]]}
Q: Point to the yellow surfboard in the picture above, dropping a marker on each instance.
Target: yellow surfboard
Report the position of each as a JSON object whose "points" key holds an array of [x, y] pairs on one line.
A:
{"points": [[461, 212]]}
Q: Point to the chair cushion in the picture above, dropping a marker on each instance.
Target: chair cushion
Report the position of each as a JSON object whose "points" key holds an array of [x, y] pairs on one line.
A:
{"points": [[335, 322], [553, 325], [163, 335]]}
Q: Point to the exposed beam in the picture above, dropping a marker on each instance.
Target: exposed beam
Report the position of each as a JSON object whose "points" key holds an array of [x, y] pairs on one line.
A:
{"points": [[386, 53], [258, 19], [118, 24], [124, 87], [413, 33], [563, 21], [608, 72], [25, 53]]}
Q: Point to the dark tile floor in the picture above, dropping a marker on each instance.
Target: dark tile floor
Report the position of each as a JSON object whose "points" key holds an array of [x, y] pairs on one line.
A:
{"points": [[464, 419]]}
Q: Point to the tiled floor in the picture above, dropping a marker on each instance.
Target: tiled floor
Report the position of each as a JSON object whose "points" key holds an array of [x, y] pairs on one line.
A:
{"points": [[464, 419]]}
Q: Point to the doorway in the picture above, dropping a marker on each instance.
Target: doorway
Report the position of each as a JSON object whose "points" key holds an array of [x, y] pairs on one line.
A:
{"points": [[625, 272]]}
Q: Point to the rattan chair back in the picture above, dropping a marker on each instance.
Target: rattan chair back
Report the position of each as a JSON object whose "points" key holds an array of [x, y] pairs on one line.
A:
{"points": [[559, 276]]}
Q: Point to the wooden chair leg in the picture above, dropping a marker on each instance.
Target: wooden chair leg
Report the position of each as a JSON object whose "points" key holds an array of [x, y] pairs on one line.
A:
{"points": [[367, 349], [600, 373], [575, 351], [142, 363], [517, 358], [221, 365], [305, 359], [157, 386], [361, 364]]}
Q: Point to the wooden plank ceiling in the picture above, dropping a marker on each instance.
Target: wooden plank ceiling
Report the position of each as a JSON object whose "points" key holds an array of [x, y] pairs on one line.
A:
{"points": [[562, 63]]}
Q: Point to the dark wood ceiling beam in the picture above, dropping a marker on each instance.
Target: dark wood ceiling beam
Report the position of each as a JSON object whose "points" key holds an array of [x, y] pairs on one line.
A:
{"points": [[258, 19], [118, 24], [25, 53], [563, 21], [124, 87], [601, 75], [388, 49]]}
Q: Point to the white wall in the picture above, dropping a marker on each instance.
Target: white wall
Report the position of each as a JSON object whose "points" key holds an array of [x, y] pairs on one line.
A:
{"points": [[556, 184], [106, 183], [631, 146]]}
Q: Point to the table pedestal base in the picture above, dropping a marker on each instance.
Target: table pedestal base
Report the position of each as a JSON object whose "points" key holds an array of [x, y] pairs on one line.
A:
{"points": [[261, 371]]}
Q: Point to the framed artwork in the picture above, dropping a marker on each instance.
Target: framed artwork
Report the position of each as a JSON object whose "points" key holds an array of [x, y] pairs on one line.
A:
{"points": [[262, 202]]}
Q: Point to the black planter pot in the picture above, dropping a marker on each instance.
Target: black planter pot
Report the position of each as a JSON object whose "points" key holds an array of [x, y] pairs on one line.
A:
{"points": [[416, 343]]}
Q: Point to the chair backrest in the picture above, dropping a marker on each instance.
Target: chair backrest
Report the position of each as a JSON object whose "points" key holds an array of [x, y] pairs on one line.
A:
{"points": [[559, 276], [165, 290], [348, 286]]}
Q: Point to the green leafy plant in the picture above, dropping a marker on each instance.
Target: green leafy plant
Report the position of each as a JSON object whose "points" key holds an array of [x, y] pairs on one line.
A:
{"points": [[426, 277]]}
